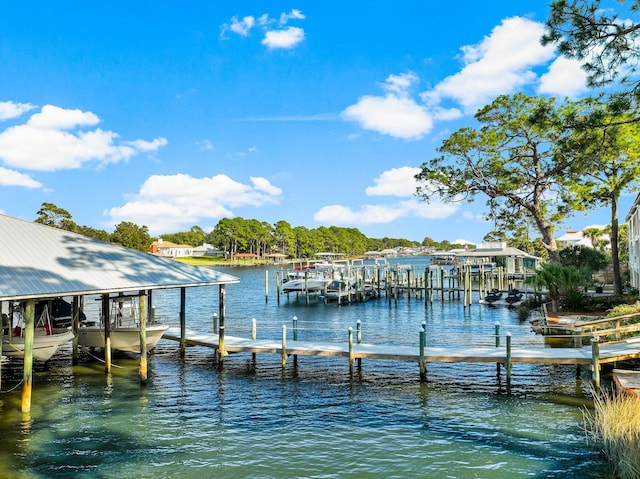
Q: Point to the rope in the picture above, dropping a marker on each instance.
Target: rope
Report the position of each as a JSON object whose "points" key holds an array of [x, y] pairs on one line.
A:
{"points": [[13, 388]]}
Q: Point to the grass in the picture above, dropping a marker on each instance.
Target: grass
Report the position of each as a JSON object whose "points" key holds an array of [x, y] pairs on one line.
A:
{"points": [[614, 426]]}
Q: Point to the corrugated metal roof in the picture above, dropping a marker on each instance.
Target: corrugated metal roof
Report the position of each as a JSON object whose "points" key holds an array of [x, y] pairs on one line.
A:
{"points": [[38, 261]]}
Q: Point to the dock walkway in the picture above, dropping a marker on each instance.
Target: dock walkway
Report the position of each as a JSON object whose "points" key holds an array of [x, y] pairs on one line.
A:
{"points": [[605, 353]]}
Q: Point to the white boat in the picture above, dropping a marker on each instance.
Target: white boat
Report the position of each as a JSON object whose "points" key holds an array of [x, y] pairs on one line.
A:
{"points": [[46, 339], [305, 279], [124, 328]]}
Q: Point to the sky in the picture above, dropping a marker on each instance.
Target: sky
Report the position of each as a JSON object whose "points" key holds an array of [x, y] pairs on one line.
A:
{"points": [[175, 114]]}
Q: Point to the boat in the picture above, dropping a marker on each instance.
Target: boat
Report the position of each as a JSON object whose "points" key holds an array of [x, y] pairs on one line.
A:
{"points": [[339, 289], [307, 279], [514, 296], [46, 340], [124, 328], [493, 296]]}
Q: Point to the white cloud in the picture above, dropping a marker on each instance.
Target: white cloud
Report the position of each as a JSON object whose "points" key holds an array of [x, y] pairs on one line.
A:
{"points": [[10, 109], [14, 178], [381, 214], [565, 77], [241, 27], [294, 14], [286, 38], [205, 145], [500, 64], [395, 182], [52, 139], [390, 115], [170, 202]]}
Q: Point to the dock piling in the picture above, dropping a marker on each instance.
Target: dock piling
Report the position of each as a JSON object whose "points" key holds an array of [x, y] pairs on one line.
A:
{"points": [[595, 362], [508, 359], [283, 355]]}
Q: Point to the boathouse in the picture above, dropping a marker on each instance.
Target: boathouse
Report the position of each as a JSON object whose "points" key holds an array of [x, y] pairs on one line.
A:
{"points": [[38, 262]]}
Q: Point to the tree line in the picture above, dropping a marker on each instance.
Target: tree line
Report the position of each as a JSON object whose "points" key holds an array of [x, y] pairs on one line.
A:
{"points": [[239, 235]]}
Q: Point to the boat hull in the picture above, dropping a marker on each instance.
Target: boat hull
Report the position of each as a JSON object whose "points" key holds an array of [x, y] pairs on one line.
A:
{"points": [[44, 346], [122, 339]]}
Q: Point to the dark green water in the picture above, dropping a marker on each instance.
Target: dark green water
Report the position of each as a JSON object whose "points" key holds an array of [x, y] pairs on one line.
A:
{"points": [[315, 419]]}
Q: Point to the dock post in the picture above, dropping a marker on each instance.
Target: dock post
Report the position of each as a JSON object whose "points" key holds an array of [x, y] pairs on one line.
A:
{"points": [[75, 322], [221, 310], [183, 321], [29, 333], [423, 366], [306, 286], [497, 328], [215, 323], [295, 328], [508, 360], [107, 333], [350, 348], [266, 286], [143, 337], [278, 282], [283, 355], [254, 334], [595, 362], [359, 338]]}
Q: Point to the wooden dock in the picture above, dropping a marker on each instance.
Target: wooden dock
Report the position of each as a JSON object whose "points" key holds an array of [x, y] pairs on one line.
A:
{"points": [[506, 355]]}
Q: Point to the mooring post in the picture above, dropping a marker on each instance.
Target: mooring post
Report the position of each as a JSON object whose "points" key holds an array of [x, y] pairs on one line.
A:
{"points": [[221, 311], [215, 323], [143, 337], [254, 335], [283, 355], [266, 286], [295, 328], [29, 333], [75, 322], [359, 338], [595, 362], [306, 286], [107, 333], [497, 329], [423, 366], [278, 283], [350, 348], [508, 361], [183, 321]]}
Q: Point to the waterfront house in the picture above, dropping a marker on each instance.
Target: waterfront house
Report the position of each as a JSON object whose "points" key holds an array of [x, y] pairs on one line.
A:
{"points": [[170, 250], [515, 262], [633, 221]]}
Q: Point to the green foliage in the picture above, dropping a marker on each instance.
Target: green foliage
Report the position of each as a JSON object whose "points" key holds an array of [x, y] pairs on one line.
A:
{"points": [[622, 309], [132, 236], [584, 258], [512, 160], [194, 237], [559, 280], [52, 215], [600, 38], [93, 233]]}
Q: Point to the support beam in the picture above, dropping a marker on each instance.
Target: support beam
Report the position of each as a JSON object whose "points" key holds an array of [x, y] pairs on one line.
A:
{"points": [[75, 321], [107, 332], [183, 321], [29, 333], [143, 337]]}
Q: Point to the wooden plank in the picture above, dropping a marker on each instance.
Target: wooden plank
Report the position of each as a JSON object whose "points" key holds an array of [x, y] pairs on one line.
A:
{"points": [[627, 381]]}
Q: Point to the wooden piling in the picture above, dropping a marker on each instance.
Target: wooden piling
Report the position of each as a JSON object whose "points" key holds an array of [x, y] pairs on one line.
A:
{"points": [[29, 332], [143, 337], [508, 358], [221, 313], [183, 321], [75, 322], [283, 355], [350, 348], [595, 362], [107, 332], [266, 286], [423, 366]]}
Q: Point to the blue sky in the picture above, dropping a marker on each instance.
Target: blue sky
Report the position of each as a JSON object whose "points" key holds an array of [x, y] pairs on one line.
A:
{"points": [[174, 114]]}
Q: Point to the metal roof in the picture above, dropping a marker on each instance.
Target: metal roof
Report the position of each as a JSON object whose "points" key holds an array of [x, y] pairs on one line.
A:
{"points": [[38, 261]]}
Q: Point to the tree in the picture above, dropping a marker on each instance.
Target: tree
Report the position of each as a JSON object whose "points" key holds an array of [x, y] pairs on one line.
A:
{"points": [[132, 236], [512, 160], [610, 159], [52, 215], [559, 280], [607, 45], [583, 257]]}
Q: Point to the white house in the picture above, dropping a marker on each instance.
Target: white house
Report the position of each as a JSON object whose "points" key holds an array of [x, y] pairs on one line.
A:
{"points": [[633, 220], [170, 250]]}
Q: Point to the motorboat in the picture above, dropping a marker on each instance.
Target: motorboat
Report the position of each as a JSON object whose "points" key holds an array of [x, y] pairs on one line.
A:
{"points": [[300, 281], [46, 340], [124, 328]]}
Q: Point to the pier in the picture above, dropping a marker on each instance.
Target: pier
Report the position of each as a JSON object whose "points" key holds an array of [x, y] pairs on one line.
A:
{"points": [[502, 354]]}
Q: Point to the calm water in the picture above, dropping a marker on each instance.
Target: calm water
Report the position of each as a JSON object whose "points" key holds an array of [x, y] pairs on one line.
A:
{"points": [[315, 420]]}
